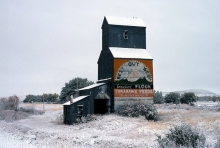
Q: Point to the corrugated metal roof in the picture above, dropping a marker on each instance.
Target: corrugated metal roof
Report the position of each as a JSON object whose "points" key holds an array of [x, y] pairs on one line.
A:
{"points": [[125, 21], [133, 53], [75, 100], [92, 86]]}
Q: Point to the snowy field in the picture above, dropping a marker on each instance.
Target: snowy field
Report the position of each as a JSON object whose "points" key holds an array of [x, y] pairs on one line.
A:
{"points": [[109, 131], [8, 140]]}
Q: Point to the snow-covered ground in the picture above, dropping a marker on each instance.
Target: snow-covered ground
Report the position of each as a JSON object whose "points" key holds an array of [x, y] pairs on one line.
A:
{"points": [[207, 103], [8, 140], [109, 131]]}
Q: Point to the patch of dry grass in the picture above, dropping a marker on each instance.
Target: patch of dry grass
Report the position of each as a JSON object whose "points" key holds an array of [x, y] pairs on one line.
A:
{"points": [[158, 125], [193, 117], [39, 106]]}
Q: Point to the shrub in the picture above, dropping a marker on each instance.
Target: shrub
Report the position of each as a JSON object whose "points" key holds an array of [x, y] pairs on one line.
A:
{"points": [[214, 98], [150, 112], [11, 115], [3, 103], [10, 103], [31, 110], [136, 110], [13, 102], [183, 135], [90, 117], [86, 119], [172, 97], [59, 119], [158, 97], [188, 98]]}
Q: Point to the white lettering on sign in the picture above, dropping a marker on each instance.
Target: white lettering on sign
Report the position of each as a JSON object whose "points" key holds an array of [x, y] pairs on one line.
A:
{"points": [[118, 91]]}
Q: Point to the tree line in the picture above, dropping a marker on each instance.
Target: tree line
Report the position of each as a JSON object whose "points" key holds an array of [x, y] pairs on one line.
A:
{"points": [[71, 87], [40, 98], [174, 97]]}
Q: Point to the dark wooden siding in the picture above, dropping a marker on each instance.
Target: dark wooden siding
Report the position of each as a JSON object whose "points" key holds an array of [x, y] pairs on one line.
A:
{"points": [[112, 36], [136, 37], [105, 65]]}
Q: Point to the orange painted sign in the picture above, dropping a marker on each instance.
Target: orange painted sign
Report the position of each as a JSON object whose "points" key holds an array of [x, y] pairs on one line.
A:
{"points": [[133, 78], [133, 93]]}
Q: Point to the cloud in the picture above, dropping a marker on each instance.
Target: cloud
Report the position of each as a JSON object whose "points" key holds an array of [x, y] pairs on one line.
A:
{"points": [[44, 44]]}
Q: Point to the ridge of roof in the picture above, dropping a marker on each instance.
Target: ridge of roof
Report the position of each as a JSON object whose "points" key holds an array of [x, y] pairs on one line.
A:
{"points": [[125, 21]]}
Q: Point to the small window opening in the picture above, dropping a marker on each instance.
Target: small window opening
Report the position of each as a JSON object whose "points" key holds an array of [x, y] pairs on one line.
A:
{"points": [[80, 110], [125, 34]]}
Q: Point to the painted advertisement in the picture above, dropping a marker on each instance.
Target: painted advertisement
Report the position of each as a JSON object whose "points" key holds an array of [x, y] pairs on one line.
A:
{"points": [[133, 78]]}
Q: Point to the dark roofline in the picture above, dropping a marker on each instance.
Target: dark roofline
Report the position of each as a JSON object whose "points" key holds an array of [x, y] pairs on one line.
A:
{"points": [[104, 80]]}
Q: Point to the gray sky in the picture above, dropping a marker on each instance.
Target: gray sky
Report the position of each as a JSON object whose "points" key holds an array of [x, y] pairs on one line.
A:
{"points": [[45, 43]]}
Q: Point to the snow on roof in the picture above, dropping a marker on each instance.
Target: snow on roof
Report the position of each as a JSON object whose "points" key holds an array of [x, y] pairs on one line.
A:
{"points": [[134, 53], [75, 100], [125, 21], [103, 80], [92, 86]]}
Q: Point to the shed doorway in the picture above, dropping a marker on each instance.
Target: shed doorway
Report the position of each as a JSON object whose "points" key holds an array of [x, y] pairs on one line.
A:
{"points": [[101, 103]]}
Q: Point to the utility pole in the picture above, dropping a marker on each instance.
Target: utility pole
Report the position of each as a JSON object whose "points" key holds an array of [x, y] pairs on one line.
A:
{"points": [[43, 102], [77, 86]]}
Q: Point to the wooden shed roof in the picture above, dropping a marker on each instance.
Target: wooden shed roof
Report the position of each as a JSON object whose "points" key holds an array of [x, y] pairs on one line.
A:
{"points": [[92, 86], [75, 100]]}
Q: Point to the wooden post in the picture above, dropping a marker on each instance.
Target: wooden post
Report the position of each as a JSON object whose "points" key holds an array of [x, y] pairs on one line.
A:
{"points": [[77, 87], [43, 102]]}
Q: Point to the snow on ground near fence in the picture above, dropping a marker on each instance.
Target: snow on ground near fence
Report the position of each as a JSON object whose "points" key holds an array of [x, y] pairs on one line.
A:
{"points": [[207, 103]]}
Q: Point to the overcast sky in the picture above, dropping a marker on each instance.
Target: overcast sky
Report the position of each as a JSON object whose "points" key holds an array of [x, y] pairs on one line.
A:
{"points": [[46, 43]]}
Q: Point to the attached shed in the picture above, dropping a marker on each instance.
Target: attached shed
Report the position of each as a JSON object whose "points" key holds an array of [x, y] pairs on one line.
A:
{"points": [[100, 97], [93, 99], [81, 106]]}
